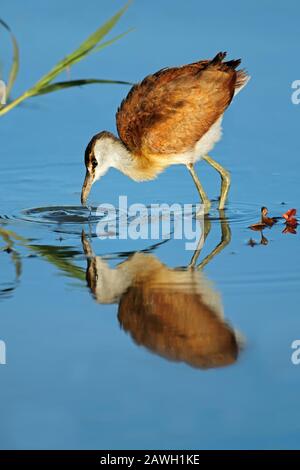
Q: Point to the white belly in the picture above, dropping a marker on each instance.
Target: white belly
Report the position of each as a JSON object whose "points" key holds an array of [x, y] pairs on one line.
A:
{"points": [[202, 147], [208, 141]]}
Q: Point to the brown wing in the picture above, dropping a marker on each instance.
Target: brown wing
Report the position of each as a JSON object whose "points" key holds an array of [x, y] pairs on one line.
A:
{"points": [[169, 111]]}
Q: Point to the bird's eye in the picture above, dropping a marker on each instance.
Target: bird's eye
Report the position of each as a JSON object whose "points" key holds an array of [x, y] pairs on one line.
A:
{"points": [[94, 163]]}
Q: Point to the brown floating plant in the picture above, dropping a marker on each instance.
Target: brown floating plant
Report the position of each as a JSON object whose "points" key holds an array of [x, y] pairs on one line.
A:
{"points": [[290, 221], [265, 221]]}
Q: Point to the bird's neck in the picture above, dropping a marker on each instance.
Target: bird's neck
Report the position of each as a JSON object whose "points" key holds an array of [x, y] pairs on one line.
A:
{"points": [[121, 158], [137, 167]]}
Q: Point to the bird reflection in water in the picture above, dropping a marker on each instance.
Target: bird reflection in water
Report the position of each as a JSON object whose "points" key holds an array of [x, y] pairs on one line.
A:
{"points": [[174, 312]]}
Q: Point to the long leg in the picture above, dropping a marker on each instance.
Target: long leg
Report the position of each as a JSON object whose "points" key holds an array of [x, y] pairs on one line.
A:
{"points": [[199, 187], [225, 176], [225, 240]]}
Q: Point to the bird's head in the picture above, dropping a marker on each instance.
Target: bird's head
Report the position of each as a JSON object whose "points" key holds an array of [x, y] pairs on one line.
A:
{"points": [[97, 160]]}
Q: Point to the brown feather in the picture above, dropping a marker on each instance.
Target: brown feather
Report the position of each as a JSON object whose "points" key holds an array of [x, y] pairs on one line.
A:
{"points": [[168, 112]]}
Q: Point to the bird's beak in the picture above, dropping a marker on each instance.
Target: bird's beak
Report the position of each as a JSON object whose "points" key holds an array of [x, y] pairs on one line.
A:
{"points": [[86, 187]]}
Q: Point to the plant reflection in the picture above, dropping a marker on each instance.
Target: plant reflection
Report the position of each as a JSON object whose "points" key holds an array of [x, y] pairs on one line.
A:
{"points": [[263, 240], [59, 256], [9, 238]]}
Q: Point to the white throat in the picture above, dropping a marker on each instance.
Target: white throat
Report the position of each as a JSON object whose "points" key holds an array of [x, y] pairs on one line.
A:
{"points": [[111, 152]]}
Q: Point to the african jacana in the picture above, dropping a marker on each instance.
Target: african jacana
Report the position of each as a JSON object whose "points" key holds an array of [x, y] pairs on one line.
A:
{"points": [[172, 117]]}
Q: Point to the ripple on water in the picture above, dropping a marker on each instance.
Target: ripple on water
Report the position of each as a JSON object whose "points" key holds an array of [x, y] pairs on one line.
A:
{"points": [[71, 220], [240, 213], [62, 215], [67, 219]]}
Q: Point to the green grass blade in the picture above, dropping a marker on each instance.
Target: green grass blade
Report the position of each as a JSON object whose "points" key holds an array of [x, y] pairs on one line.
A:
{"points": [[80, 82], [92, 43], [111, 41], [100, 33], [84, 49], [16, 60]]}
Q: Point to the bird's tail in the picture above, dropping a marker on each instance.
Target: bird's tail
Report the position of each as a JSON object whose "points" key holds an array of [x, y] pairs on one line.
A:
{"points": [[242, 76], [218, 59]]}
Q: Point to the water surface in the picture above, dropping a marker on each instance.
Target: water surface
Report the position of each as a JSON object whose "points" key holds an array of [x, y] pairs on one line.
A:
{"points": [[120, 343]]}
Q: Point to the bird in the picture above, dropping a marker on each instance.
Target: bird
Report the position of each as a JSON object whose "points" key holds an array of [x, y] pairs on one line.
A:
{"points": [[171, 117], [175, 313]]}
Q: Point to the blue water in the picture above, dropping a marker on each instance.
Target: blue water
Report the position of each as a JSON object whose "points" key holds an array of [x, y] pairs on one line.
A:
{"points": [[75, 377]]}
